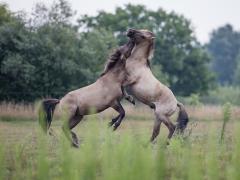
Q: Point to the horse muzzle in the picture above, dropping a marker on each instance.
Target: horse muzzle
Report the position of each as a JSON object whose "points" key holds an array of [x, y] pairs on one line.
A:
{"points": [[131, 32]]}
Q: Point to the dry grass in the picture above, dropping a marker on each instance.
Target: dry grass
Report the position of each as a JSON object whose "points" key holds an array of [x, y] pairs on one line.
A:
{"points": [[210, 112], [18, 111], [138, 118], [140, 112], [24, 158]]}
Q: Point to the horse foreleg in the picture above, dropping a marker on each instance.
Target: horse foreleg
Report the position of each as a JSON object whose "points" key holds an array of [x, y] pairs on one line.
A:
{"points": [[128, 97], [113, 120], [117, 121]]}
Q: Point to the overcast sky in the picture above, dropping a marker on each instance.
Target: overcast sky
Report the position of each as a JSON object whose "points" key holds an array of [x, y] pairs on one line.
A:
{"points": [[205, 15]]}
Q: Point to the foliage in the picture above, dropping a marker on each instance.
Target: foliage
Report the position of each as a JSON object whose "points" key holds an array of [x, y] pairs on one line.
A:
{"points": [[48, 55], [224, 48], [193, 100], [236, 80], [221, 95], [60, 13], [96, 45], [184, 63], [5, 14]]}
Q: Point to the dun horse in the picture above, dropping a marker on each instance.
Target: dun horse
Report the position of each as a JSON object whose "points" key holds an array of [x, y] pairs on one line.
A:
{"points": [[106, 92], [147, 89]]}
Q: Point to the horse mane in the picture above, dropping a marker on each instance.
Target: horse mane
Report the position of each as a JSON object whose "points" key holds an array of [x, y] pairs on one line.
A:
{"points": [[124, 52], [112, 61], [121, 52]]}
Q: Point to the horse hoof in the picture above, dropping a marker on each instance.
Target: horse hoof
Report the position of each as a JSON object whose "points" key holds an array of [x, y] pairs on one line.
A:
{"points": [[133, 102], [115, 126], [110, 124], [50, 133], [75, 145]]}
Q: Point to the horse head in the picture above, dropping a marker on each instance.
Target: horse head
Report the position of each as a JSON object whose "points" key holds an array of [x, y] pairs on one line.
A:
{"points": [[143, 39]]}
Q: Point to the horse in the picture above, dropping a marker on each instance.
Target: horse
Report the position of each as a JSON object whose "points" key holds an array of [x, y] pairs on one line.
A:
{"points": [[148, 89], [106, 92]]}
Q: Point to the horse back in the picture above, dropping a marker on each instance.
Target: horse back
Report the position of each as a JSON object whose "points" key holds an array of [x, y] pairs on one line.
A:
{"points": [[95, 97]]}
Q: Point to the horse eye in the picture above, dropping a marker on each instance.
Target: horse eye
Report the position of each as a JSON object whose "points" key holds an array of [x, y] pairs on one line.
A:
{"points": [[142, 36]]}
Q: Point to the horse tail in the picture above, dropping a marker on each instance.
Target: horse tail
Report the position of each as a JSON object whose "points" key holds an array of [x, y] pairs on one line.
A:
{"points": [[182, 119], [45, 113]]}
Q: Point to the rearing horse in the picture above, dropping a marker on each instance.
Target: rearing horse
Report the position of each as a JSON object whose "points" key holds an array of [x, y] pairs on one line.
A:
{"points": [[147, 89], [106, 92]]}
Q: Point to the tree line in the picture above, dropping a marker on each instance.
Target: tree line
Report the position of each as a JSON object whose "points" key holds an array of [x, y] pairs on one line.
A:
{"points": [[224, 49], [48, 54]]}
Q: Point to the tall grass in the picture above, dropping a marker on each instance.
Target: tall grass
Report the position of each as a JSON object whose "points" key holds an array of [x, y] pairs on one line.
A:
{"points": [[105, 155], [226, 118], [2, 164]]}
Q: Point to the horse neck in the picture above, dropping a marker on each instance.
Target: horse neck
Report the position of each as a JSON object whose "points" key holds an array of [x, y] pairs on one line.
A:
{"points": [[116, 75], [140, 52], [119, 74]]}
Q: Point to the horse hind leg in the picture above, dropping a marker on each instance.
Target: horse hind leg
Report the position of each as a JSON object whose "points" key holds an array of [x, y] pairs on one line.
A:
{"points": [[71, 123], [160, 117], [75, 141], [156, 129], [117, 120], [171, 127]]}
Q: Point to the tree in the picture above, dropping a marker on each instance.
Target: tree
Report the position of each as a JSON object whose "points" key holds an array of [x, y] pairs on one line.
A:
{"points": [[237, 71], [60, 12], [224, 47], [96, 46], [12, 65], [182, 60], [5, 14], [47, 56]]}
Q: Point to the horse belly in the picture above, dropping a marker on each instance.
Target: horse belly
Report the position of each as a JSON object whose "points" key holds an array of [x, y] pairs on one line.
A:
{"points": [[167, 102], [146, 92], [153, 91], [95, 106], [97, 102]]}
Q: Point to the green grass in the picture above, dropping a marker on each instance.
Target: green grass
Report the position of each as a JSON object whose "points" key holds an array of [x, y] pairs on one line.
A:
{"points": [[26, 153]]}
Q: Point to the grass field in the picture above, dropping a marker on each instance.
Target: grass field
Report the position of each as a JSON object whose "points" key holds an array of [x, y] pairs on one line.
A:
{"points": [[25, 153]]}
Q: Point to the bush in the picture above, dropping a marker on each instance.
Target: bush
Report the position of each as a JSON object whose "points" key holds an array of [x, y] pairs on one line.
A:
{"points": [[222, 95]]}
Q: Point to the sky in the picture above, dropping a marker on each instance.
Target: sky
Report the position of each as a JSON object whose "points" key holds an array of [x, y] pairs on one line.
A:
{"points": [[205, 15]]}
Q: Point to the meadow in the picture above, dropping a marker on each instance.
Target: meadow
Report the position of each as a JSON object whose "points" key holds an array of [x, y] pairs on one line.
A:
{"points": [[209, 149]]}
